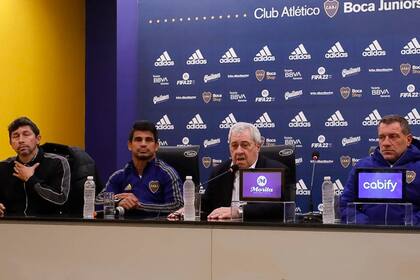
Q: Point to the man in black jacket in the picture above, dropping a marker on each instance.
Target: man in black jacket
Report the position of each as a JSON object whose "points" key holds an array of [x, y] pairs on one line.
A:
{"points": [[244, 146], [33, 182]]}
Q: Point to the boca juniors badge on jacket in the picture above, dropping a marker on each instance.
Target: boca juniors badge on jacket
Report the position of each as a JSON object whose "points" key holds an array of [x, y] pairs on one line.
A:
{"points": [[154, 186], [410, 176]]}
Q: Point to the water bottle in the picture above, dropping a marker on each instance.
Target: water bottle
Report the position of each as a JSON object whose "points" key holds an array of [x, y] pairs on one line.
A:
{"points": [[89, 198], [189, 194], [328, 201]]}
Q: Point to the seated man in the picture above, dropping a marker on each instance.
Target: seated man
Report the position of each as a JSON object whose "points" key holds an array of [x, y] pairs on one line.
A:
{"points": [[397, 149], [244, 146], [33, 182], [146, 183]]}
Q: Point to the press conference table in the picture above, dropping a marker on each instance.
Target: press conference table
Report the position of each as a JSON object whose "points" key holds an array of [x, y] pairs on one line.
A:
{"points": [[50, 248]]}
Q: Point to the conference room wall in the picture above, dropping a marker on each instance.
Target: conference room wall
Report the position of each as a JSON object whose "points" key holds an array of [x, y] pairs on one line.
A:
{"points": [[42, 73]]}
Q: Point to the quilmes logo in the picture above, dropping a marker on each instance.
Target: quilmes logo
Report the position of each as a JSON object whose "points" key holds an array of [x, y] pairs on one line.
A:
{"points": [[374, 49], [211, 142], [196, 58], [299, 53], [321, 143], [336, 119], [292, 94], [288, 140], [161, 98], [264, 121], [185, 80], [372, 119], [158, 79], [164, 124], [411, 92], [350, 72], [291, 74], [351, 140], [413, 117], [301, 188], [164, 60], [336, 51], [196, 123], [265, 97], [379, 91], [230, 56], [228, 122], [331, 7], [338, 187], [211, 77], [264, 55], [412, 47], [322, 74], [300, 120]]}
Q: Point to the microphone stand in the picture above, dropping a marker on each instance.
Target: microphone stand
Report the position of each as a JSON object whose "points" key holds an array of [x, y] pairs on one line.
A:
{"points": [[312, 216]]}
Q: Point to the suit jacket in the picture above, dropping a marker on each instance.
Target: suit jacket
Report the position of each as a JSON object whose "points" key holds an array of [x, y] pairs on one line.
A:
{"points": [[219, 192]]}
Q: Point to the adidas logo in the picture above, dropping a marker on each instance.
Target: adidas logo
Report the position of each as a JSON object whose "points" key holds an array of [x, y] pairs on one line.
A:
{"points": [[413, 117], [301, 188], [228, 122], [230, 57], [372, 119], [299, 53], [196, 123], [264, 55], [336, 119], [164, 124], [336, 51], [264, 121], [338, 187], [196, 58], [300, 121], [164, 60], [374, 49], [412, 47]]}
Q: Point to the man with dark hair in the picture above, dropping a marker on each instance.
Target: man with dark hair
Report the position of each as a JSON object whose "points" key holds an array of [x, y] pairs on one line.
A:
{"points": [[33, 182], [397, 149], [146, 182]]}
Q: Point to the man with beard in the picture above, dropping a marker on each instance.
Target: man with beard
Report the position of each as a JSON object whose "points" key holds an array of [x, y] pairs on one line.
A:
{"points": [[33, 182], [146, 182]]}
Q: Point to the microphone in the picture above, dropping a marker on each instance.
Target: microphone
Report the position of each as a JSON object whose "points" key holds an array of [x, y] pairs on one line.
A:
{"points": [[119, 212], [231, 169], [311, 216]]}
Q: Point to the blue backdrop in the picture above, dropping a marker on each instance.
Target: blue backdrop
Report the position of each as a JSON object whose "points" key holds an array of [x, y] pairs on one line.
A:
{"points": [[317, 74]]}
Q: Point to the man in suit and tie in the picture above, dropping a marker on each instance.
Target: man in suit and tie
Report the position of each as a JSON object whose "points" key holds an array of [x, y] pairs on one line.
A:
{"points": [[244, 146]]}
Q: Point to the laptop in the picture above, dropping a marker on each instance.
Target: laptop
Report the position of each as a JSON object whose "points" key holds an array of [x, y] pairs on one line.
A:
{"points": [[380, 185], [261, 184]]}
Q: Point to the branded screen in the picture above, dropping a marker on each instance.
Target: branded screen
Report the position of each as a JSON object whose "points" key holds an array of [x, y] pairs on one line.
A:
{"points": [[265, 185], [380, 185]]}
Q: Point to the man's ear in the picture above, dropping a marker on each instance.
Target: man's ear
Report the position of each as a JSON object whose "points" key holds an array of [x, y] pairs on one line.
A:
{"points": [[409, 139], [129, 145], [38, 139]]}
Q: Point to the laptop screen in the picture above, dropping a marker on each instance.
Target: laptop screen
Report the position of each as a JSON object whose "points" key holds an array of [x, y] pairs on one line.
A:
{"points": [[261, 184], [381, 185]]}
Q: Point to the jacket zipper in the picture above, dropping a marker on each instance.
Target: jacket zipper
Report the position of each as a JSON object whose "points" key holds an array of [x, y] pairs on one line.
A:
{"points": [[26, 199]]}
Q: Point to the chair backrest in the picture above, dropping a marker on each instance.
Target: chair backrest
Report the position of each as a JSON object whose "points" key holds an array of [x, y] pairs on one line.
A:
{"points": [[184, 159], [81, 166], [283, 153]]}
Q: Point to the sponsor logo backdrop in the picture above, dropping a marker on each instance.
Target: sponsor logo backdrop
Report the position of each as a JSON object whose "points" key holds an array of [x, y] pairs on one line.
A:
{"points": [[316, 74]]}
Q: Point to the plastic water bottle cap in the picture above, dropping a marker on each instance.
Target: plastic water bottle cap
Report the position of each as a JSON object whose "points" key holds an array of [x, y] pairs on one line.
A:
{"points": [[188, 178], [90, 177], [327, 178]]}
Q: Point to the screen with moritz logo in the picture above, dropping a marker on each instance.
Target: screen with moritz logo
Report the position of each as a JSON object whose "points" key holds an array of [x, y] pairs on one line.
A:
{"points": [[380, 185], [261, 185]]}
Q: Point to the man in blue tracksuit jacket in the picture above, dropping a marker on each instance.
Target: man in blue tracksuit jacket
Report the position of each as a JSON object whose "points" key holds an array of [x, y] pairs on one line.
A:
{"points": [[146, 183], [397, 149]]}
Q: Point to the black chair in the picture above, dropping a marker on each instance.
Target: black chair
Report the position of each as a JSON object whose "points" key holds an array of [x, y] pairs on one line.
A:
{"points": [[184, 159], [283, 153], [81, 166]]}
